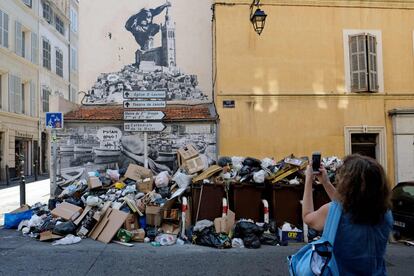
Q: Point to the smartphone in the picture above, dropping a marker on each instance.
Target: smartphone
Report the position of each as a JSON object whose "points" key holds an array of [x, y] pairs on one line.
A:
{"points": [[316, 161]]}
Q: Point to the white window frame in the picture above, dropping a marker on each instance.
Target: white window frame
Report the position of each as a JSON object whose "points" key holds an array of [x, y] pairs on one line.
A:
{"points": [[381, 151], [49, 67], [57, 61], [46, 100], [28, 3], [380, 66], [59, 25]]}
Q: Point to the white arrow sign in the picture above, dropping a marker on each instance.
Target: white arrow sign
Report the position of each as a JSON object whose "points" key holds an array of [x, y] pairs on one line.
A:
{"points": [[143, 115], [145, 104], [144, 127], [144, 94]]}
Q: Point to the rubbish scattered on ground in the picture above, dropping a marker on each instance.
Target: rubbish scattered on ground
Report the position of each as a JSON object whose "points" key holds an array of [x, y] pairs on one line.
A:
{"points": [[191, 205]]}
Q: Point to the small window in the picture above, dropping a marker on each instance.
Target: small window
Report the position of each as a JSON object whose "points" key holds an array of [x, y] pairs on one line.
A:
{"points": [[59, 63], [46, 54], [28, 3], [45, 99], [365, 144], [47, 12], [363, 63], [4, 29], [59, 25]]}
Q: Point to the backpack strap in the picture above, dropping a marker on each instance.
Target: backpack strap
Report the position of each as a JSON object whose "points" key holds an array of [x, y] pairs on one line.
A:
{"points": [[332, 222]]}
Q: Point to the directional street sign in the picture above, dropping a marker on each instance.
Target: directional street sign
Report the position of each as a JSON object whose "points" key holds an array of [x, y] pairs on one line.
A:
{"points": [[143, 115], [145, 94], [144, 127], [54, 120], [145, 104]]}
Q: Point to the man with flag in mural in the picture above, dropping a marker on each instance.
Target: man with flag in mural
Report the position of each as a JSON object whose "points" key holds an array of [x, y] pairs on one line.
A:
{"points": [[142, 27]]}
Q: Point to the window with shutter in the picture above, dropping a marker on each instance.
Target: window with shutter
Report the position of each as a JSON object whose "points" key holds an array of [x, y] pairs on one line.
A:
{"points": [[18, 39], [46, 54], [363, 63]]}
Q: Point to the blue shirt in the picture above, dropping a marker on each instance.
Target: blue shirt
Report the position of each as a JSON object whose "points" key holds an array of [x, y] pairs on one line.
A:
{"points": [[359, 249]]}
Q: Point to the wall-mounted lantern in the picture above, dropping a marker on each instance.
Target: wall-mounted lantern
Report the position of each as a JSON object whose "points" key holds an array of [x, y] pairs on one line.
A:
{"points": [[258, 17]]}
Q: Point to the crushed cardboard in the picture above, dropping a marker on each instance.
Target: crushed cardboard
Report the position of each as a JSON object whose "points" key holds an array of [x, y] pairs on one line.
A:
{"points": [[67, 211]]}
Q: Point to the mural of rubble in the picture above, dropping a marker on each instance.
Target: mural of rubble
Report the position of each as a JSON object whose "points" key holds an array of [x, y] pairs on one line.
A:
{"points": [[100, 147], [155, 68]]}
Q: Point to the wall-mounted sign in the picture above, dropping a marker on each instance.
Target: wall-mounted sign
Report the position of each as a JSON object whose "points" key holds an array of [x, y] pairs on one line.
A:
{"points": [[143, 115], [145, 104], [144, 127], [54, 120], [145, 94], [229, 104]]}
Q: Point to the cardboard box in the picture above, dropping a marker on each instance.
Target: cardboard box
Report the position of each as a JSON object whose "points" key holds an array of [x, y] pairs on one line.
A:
{"points": [[49, 236], [225, 224], [153, 215], [94, 183], [171, 214], [170, 228], [83, 215], [194, 165], [141, 175], [107, 228], [67, 211], [138, 235], [131, 222], [185, 153], [24, 208]]}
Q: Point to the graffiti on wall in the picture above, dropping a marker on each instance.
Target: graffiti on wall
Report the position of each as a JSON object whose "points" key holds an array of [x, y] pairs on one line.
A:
{"points": [[99, 147], [155, 67]]}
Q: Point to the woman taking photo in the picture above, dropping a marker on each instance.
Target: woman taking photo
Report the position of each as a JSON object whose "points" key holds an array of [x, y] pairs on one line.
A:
{"points": [[366, 221]]}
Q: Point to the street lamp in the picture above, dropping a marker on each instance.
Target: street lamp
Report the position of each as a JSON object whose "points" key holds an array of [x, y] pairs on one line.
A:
{"points": [[258, 18]]}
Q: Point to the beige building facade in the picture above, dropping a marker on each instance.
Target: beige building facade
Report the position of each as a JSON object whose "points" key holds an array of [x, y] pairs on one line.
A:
{"points": [[323, 76], [32, 74]]}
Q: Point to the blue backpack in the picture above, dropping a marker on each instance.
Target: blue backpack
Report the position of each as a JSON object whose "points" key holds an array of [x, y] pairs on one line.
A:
{"points": [[317, 258]]}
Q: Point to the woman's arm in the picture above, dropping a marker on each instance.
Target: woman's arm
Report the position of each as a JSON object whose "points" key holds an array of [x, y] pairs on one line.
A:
{"points": [[327, 185], [314, 219]]}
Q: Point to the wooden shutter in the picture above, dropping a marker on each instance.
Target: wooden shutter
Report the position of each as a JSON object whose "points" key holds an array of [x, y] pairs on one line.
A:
{"points": [[358, 63], [372, 63], [35, 49], [19, 39], [18, 106], [11, 93], [32, 99], [1, 28], [6, 30]]}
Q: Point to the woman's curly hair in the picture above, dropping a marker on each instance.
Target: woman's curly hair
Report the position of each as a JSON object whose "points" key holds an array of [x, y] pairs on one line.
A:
{"points": [[363, 190]]}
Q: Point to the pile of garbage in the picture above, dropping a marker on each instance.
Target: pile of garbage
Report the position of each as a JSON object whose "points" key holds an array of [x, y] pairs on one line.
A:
{"points": [[134, 205]]}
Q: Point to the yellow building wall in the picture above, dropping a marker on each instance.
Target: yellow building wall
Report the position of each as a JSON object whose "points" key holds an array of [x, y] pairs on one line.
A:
{"points": [[289, 83]]}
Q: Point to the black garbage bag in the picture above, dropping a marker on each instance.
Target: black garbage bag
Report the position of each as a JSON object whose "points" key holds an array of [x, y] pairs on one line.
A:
{"points": [[48, 224], [269, 239], [252, 162], [65, 228], [75, 201], [224, 161], [249, 232], [209, 237], [151, 232]]}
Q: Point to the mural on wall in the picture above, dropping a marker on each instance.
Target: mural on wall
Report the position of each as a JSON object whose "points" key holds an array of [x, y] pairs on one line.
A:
{"points": [[98, 146], [155, 67]]}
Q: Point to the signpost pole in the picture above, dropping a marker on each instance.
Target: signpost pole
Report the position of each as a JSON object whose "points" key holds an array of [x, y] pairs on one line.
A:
{"points": [[54, 162]]}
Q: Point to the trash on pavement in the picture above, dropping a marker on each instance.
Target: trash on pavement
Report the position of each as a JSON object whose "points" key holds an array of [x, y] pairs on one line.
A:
{"points": [[69, 239]]}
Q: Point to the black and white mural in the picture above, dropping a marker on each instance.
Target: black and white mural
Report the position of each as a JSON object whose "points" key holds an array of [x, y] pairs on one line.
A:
{"points": [[155, 67], [101, 147]]}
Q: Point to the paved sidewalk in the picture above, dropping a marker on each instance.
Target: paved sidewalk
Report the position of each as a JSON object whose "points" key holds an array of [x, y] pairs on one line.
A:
{"points": [[24, 256], [35, 192]]}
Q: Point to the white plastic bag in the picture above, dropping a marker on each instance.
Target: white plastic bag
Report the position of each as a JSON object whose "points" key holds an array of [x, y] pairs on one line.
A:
{"points": [[166, 239], [183, 180], [113, 174], [69, 239], [259, 177], [267, 162], [162, 179], [237, 243]]}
